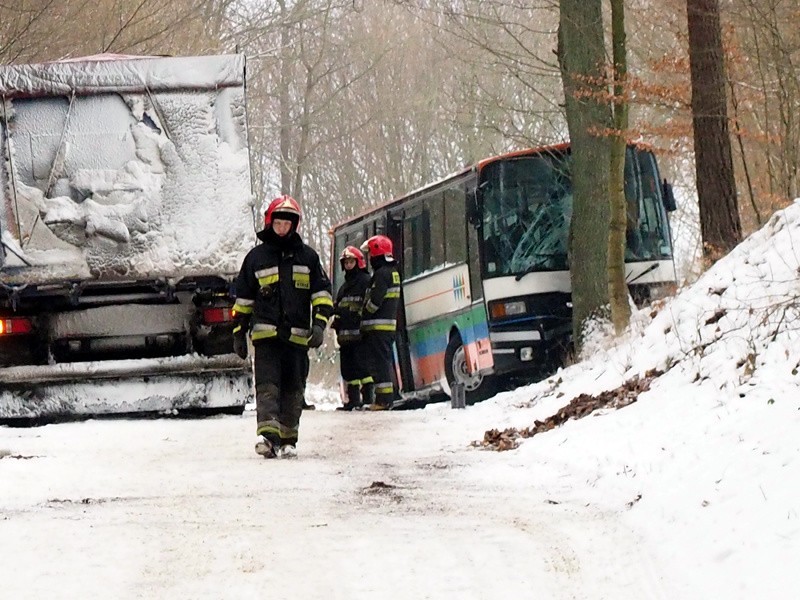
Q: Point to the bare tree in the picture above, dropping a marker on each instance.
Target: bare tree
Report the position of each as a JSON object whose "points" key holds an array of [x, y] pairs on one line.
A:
{"points": [[763, 51], [35, 30], [27, 27]]}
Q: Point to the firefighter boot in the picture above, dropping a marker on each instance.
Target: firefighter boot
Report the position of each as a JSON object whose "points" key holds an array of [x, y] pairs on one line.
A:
{"points": [[287, 451], [265, 448], [384, 396], [353, 397], [367, 394], [353, 400]]}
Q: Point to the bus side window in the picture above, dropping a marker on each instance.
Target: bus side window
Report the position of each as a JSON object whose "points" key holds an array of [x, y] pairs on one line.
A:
{"points": [[408, 248], [434, 211], [454, 219], [633, 234], [416, 243], [653, 227]]}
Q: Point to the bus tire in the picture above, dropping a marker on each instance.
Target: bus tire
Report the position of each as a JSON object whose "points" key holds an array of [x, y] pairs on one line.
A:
{"points": [[476, 387]]}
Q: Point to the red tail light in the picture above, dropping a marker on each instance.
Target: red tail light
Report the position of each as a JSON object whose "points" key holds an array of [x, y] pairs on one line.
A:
{"points": [[15, 326], [214, 316]]}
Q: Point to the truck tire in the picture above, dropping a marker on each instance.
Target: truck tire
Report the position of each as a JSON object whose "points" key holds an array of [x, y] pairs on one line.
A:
{"points": [[477, 387]]}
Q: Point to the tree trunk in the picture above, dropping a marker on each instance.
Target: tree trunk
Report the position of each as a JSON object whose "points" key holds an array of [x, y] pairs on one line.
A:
{"points": [[716, 188], [617, 286], [581, 56]]}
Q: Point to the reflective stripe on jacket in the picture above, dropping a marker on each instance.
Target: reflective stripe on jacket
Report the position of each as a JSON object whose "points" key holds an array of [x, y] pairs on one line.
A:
{"points": [[284, 289], [348, 305], [383, 298]]}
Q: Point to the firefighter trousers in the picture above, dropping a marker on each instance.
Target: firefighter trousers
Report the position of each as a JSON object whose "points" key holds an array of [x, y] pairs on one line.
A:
{"points": [[281, 370], [378, 346], [353, 364]]}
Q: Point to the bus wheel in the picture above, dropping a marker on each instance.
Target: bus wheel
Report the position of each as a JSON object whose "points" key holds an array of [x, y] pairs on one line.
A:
{"points": [[477, 387]]}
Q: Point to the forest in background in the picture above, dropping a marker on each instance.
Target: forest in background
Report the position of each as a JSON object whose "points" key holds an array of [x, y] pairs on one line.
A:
{"points": [[353, 102]]}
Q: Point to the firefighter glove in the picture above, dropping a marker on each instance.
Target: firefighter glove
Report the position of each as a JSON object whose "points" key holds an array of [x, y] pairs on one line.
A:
{"points": [[317, 335], [240, 343]]}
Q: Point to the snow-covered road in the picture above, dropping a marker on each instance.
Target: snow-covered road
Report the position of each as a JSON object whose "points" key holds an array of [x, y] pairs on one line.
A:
{"points": [[378, 505]]}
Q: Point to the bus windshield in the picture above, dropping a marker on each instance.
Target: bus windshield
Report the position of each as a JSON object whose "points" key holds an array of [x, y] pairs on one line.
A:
{"points": [[527, 206], [527, 209]]}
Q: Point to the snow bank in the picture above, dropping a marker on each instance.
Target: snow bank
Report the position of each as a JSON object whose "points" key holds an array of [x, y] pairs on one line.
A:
{"points": [[702, 462]]}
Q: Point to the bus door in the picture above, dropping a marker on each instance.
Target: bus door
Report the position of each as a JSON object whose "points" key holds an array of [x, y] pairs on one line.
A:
{"points": [[394, 231], [483, 360]]}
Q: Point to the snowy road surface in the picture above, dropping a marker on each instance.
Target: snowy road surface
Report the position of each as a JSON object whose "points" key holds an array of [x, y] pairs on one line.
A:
{"points": [[378, 505]]}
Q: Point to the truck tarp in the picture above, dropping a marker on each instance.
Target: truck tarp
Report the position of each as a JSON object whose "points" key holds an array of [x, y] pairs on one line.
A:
{"points": [[120, 73], [124, 168]]}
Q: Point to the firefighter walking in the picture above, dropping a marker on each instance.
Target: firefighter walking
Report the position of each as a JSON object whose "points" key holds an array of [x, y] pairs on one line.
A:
{"points": [[283, 299], [346, 322], [379, 318]]}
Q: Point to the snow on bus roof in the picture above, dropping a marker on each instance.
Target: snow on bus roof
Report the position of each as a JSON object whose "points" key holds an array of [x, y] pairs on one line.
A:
{"points": [[476, 166]]}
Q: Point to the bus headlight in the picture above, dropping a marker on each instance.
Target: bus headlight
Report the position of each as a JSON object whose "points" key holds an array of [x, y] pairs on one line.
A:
{"points": [[499, 310], [526, 354]]}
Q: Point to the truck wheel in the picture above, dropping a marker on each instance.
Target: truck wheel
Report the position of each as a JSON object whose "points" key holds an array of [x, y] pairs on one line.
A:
{"points": [[477, 387]]}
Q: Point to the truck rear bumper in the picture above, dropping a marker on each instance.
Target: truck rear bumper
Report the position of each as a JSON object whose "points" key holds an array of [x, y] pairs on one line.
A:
{"points": [[168, 385], [112, 369]]}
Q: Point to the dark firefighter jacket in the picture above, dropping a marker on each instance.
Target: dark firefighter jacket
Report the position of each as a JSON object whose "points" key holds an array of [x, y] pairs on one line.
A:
{"points": [[349, 304], [284, 289], [383, 297]]}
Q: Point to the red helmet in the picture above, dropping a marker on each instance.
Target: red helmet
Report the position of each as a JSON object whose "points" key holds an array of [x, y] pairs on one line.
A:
{"points": [[353, 252], [283, 207], [378, 245]]}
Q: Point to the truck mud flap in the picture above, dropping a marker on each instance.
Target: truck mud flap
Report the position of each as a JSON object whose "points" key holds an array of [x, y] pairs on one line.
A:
{"points": [[159, 386]]}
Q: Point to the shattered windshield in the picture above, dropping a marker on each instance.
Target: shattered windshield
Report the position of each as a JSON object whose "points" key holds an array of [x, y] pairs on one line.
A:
{"points": [[527, 209]]}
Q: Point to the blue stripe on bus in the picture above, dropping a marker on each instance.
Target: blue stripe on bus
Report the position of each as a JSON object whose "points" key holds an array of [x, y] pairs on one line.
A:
{"points": [[428, 346], [432, 338], [478, 331]]}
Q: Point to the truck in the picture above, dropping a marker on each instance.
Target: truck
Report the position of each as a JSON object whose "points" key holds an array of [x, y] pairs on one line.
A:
{"points": [[126, 211]]}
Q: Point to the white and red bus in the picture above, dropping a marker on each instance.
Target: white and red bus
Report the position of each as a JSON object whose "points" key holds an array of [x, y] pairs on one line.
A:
{"points": [[486, 281]]}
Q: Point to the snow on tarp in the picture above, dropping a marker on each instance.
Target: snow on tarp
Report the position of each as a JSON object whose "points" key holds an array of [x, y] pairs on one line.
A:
{"points": [[121, 73], [142, 172]]}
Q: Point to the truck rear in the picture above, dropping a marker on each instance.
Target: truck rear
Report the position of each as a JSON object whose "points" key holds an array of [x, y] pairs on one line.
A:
{"points": [[126, 211]]}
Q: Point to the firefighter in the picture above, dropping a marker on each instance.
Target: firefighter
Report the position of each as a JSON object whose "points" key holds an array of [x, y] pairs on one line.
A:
{"points": [[283, 300], [379, 318], [346, 322]]}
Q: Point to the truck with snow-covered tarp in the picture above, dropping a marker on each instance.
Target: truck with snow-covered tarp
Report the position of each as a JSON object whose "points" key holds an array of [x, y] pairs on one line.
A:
{"points": [[126, 211]]}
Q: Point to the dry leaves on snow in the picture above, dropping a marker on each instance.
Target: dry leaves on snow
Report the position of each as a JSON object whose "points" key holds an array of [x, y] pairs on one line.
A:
{"points": [[578, 408]]}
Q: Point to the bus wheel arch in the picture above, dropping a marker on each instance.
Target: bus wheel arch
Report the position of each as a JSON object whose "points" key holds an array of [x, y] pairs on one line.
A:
{"points": [[477, 387]]}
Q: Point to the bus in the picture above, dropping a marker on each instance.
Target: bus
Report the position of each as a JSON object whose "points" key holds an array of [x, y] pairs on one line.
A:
{"points": [[486, 281]]}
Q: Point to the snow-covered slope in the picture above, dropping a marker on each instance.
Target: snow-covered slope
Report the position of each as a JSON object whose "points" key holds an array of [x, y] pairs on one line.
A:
{"points": [[705, 462]]}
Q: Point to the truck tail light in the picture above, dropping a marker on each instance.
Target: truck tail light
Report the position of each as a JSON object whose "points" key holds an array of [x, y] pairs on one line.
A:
{"points": [[15, 326], [215, 316]]}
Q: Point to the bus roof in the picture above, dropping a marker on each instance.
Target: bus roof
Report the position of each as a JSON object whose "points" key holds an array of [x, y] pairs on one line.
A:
{"points": [[474, 167]]}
